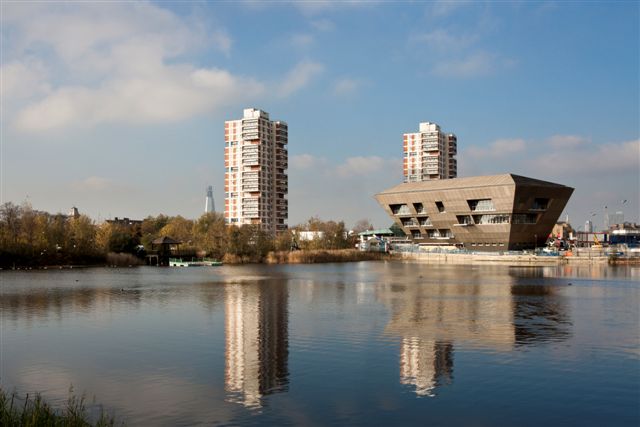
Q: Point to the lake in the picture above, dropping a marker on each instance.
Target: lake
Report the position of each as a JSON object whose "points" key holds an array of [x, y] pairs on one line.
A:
{"points": [[369, 343]]}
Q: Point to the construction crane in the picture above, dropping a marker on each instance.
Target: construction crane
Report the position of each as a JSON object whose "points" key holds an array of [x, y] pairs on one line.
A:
{"points": [[597, 243]]}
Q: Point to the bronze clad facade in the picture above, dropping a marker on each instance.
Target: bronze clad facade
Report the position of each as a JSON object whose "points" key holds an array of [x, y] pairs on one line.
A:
{"points": [[485, 213]]}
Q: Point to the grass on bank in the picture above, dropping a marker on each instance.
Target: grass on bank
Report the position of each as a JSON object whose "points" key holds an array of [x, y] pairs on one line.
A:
{"points": [[32, 411]]}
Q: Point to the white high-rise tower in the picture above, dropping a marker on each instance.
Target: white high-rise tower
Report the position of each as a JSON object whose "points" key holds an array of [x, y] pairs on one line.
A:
{"points": [[430, 154], [256, 162], [209, 205]]}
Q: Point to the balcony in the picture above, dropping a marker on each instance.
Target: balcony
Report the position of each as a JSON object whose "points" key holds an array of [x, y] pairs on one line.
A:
{"points": [[425, 221], [409, 222]]}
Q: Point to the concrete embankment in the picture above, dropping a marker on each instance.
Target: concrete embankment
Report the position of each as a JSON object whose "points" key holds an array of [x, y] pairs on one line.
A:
{"points": [[505, 259]]}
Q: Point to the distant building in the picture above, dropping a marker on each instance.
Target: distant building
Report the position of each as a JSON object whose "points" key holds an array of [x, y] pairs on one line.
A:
{"points": [[614, 219], [73, 213], [562, 230], [485, 213], [430, 154], [588, 226], [125, 222], [209, 206], [309, 235], [256, 162]]}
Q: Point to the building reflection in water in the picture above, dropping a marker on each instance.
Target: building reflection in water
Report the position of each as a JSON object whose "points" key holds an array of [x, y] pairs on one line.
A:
{"points": [[257, 341], [433, 317], [425, 364]]}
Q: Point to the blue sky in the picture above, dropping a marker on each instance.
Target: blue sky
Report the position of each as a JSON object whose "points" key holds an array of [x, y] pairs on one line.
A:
{"points": [[119, 108]]}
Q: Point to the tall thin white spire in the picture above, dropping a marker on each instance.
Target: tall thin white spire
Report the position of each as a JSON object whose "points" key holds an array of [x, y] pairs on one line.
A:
{"points": [[209, 206]]}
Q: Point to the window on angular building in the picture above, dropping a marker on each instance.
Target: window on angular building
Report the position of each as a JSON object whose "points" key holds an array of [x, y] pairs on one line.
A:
{"points": [[399, 209], [525, 218], [440, 206], [481, 205], [540, 204]]}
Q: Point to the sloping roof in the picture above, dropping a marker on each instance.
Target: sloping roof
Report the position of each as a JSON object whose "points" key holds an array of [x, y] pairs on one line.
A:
{"points": [[468, 182], [165, 240], [380, 231]]}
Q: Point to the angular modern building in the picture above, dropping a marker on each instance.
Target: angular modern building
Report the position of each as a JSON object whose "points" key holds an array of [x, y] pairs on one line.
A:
{"points": [[485, 213], [256, 162], [429, 154]]}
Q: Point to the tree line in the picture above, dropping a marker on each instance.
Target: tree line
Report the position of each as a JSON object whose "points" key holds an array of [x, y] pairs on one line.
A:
{"points": [[30, 238]]}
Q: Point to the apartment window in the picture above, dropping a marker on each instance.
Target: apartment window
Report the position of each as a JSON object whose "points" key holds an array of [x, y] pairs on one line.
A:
{"points": [[416, 234], [481, 205], [438, 234], [464, 220], [409, 222], [399, 209], [445, 232], [491, 219], [419, 208], [440, 206], [525, 218], [424, 221], [540, 204]]}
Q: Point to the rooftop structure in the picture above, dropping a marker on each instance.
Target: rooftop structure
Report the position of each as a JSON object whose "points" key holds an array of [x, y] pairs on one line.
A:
{"points": [[487, 213], [256, 162], [430, 154]]}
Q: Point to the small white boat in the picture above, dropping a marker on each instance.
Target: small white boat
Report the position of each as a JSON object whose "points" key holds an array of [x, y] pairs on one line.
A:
{"points": [[203, 262]]}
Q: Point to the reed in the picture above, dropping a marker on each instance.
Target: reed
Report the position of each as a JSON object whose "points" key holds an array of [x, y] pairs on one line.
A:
{"points": [[323, 256], [32, 411]]}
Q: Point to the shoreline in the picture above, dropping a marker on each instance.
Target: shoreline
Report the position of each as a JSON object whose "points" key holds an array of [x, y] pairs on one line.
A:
{"points": [[351, 255]]}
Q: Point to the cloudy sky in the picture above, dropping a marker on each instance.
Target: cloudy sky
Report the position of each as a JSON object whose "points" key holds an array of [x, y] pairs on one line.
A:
{"points": [[118, 108]]}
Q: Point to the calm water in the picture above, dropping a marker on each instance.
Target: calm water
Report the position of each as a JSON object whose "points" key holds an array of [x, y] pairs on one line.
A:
{"points": [[365, 343]]}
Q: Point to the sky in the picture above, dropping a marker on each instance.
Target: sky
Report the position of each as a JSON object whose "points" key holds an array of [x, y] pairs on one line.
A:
{"points": [[118, 108]]}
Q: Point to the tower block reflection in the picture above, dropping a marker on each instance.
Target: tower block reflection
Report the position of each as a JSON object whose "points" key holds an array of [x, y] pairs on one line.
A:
{"points": [[425, 364], [257, 341]]}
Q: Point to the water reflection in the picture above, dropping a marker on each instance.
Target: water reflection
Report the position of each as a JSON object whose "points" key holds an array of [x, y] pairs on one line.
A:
{"points": [[425, 364], [434, 315], [257, 341]]}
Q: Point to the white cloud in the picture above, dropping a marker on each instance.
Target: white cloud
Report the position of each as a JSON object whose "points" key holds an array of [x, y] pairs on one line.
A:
{"points": [[346, 86], [172, 94], [361, 165], [323, 191], [122, 58], [602, 159], [566, 141], [299, 77], [497, 149], [301, 40], [306, 161], [23, 79]]}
